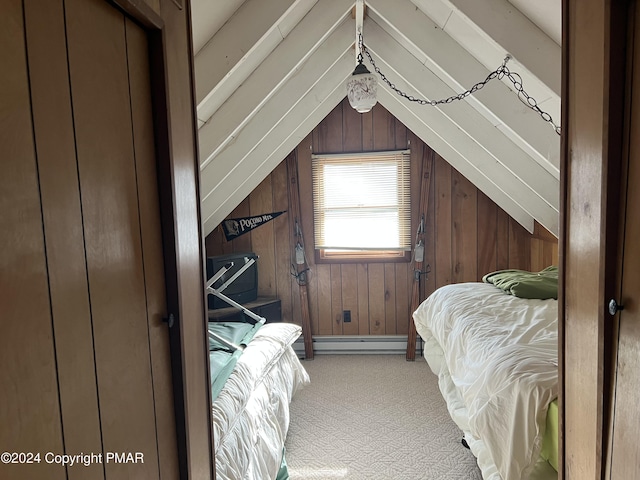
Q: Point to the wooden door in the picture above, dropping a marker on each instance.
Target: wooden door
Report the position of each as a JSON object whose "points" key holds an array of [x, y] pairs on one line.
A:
{"points": [[29, 404], [86, 359], [624, 461]]}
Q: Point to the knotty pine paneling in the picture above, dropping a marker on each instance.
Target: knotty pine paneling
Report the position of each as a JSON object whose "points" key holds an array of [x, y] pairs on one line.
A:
{"points": [[363, 298], [390, 297], [322, 278], [377, 300], [335, 276], [487, 244], [402, 289], [442, 232], [464, 220], [467, 234], [502, 240], [349, 274]]}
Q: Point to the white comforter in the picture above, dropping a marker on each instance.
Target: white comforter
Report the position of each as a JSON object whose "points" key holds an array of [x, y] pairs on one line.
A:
{"points": [[496, 357], [251, 413]]}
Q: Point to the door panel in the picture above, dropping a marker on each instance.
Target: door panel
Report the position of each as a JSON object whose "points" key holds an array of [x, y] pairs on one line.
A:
{"points": [[625, 452], [62, 214], [106, 164], [29, 410], [86, 365]]}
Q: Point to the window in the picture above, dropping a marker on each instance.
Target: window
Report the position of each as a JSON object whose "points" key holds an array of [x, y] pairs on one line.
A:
{"points": [[362, 206]]}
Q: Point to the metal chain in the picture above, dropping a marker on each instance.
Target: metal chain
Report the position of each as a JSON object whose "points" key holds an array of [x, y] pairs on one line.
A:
{"points": [[499, 73]]}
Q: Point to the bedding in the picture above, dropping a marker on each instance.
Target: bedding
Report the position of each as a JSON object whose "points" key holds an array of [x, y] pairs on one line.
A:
{"points": [[524, 284], [496, 358], [251, 411], [222, 360]]}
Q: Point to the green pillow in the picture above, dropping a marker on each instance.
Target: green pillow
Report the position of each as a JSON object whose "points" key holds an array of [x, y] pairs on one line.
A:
{"points": [[523, 284]]}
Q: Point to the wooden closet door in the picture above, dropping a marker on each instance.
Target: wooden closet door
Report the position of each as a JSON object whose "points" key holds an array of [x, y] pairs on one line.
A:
{"points": [[625, 451], [86, 366], [29, 403], [110, 88]]}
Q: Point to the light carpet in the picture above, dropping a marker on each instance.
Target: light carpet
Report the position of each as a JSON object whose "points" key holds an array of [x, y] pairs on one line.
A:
{"points": [[374, 417]]}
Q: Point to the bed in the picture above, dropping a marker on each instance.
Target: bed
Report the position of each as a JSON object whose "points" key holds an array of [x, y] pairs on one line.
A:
{"points": [[251, 391], [496, 358]]}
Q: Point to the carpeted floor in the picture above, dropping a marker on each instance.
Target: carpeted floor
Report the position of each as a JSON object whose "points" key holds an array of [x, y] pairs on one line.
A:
{"points": [[374, 417]]}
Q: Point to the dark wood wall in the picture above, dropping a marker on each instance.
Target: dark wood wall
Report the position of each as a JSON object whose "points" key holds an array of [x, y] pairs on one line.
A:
{"points": [[87, 275], [467, 234]]}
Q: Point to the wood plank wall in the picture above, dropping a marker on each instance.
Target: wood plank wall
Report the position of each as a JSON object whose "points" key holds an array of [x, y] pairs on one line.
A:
{"points": [[468, 235], [85, 354]]}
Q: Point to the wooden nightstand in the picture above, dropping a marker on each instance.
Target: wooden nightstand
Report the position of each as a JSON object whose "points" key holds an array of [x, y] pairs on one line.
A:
{"points": [[267, 307]]}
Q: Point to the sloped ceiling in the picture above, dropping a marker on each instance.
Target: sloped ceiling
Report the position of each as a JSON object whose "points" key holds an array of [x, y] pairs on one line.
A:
{"points": [[267, 72]]}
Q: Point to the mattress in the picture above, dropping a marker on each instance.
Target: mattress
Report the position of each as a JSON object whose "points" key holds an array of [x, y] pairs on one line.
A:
{"points": [[496, 359], [251, 412]]}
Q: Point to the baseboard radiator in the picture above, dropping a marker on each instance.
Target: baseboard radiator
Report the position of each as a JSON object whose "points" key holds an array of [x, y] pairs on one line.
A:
{"points": [[358, 344]]}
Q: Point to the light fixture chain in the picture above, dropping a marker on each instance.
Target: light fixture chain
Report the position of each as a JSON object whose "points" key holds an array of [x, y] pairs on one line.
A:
{"points": [[499, 73], [361, 49]]}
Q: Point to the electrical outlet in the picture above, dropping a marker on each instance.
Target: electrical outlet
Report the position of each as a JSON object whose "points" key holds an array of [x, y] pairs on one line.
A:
{"points": [[346, 316]]}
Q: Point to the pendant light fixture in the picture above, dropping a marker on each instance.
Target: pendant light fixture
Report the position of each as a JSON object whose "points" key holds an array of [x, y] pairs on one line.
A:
{"points": [[362, 86]]}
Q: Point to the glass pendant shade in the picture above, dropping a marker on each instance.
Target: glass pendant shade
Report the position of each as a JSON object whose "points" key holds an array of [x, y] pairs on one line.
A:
{"points": [[362, 89]]}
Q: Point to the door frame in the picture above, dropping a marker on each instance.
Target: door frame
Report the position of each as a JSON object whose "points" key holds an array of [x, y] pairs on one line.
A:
{"points": [[172, 91], [594, 64]]}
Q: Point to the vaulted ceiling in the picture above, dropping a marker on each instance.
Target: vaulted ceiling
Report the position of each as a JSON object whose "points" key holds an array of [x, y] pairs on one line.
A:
{"points": [[267, 72]]}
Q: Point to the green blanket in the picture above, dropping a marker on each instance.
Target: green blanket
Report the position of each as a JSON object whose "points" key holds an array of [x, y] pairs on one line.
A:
{"points": [[283, 473], [523, 284], [221, 359]]}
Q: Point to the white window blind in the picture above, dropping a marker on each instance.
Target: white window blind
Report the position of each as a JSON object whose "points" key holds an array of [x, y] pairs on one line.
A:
{"points": [[362, 201]]}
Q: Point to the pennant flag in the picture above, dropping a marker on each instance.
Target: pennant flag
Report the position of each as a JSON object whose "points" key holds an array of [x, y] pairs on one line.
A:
{"points": [[234, 227]]}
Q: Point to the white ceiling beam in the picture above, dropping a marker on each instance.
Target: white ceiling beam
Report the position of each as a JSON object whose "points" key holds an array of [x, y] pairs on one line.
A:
{"points": [[511, 29], [491, 28], [283, 131], [529, 183], [325, 28], [239, 46], [359, 21], [207, 18], [410, 116], [460, 70], [490, 54], [437, 10], [226, 160], [546, 14]]}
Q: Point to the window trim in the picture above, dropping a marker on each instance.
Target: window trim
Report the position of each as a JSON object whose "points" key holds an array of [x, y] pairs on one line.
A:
{"points": [[365, 255], [374, 256]]}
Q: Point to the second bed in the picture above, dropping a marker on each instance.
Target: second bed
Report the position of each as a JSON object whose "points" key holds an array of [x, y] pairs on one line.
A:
{"points": [[496, 357]]}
